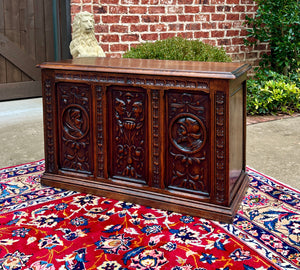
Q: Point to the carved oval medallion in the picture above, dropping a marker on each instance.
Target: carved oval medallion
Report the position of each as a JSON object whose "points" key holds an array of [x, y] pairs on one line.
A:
{"points": [[75, 121], [187, 133]]}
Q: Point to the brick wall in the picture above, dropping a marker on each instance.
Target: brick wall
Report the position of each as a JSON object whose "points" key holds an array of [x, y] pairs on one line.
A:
{"points": [[121, 24]]}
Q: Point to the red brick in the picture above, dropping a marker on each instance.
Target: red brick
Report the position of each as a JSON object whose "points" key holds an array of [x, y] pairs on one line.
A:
{"points": [[129, 2], [193, 26], [233, 16], [158, 28], [210, 41], [150, 19], [201, 34], [75, 9], [236, 41], [139, 28], [119, 28], [111, 19], [105, 47], [110, 38], [238, 8], [218, 2], [217, 17], [167, 35], [156, 10], [176, 27], [223, 42], [186, 18], [137, 10], [168, 18], [223, 8], [236, 2], [174, 9], [209, 25], [202, 17], [130, 37], [225, 25], [186, 34], [232, 33], [118, 10], [99, 10], [114, 2], [185, 2], [168, 2], [208, 9], [130, 19], [152, 36], [119, 47], [191, 9], [217, 33], [101, 28], [150, 2]]}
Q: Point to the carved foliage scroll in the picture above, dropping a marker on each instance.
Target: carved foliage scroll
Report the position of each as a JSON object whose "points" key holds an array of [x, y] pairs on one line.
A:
{"points": [[188, 115], [75, 138], [128, 109]]}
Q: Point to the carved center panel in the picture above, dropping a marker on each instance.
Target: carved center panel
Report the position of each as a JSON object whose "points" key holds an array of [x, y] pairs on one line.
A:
{"points": [[128, 134]]}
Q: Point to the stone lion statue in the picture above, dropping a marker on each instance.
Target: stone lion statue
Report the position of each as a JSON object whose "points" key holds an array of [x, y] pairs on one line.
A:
{"points": [[84, 42]]}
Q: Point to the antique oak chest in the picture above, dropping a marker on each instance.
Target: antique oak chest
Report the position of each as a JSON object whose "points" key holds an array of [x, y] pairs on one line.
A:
{"points": [[165, 134]]}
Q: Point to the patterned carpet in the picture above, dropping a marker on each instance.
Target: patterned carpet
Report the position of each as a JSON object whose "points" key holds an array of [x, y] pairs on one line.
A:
{"points": [[48, 228]]}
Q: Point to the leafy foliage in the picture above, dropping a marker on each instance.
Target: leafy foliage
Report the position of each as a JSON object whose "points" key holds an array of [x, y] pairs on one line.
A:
{"points": [[277, 22], [178, 48], [272, 93]]}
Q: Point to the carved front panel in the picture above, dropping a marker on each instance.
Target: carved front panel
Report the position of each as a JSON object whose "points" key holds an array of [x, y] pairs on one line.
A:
{"points": [[188, 146], [128, 133], [74, 106]]}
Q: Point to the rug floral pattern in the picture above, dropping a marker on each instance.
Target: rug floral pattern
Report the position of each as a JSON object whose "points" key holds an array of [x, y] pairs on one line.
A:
{"points": [[48, 228]]}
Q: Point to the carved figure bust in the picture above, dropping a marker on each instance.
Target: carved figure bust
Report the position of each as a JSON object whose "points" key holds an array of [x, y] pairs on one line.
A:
{"points": [[84, 42]]}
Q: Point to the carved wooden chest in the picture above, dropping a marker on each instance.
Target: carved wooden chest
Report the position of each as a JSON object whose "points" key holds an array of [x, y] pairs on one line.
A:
{"points": [[166, 134]]}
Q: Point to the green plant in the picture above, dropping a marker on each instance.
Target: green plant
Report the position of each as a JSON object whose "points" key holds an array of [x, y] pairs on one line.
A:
{"points": [[178, 48], [277, 22], [272, 97]]}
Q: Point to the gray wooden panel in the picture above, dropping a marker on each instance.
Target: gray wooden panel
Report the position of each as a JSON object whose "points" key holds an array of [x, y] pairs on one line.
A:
{"points": [[16, 55], [17, 90]]}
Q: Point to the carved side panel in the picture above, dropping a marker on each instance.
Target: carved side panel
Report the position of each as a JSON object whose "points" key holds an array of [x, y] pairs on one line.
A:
{"points": [[220, 128], [188, 141], [128, 133], [75, 144]]}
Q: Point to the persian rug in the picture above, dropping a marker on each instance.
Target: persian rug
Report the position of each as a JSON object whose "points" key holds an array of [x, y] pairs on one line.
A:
{"points": [[48, 228]]}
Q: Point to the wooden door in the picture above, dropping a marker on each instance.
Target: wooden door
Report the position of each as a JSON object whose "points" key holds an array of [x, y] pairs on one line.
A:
{"points": [[26, 39]]}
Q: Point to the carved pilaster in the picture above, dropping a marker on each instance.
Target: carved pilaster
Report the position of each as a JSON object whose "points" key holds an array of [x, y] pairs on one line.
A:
{"points": [[155, 139], [100, 131], [220, 146], [49, 125]]}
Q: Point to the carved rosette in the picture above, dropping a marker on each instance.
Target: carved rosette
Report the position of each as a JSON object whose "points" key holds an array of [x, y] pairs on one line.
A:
{"points": [[187, 118], [220, 146], [128, 133], [75, 141]]}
